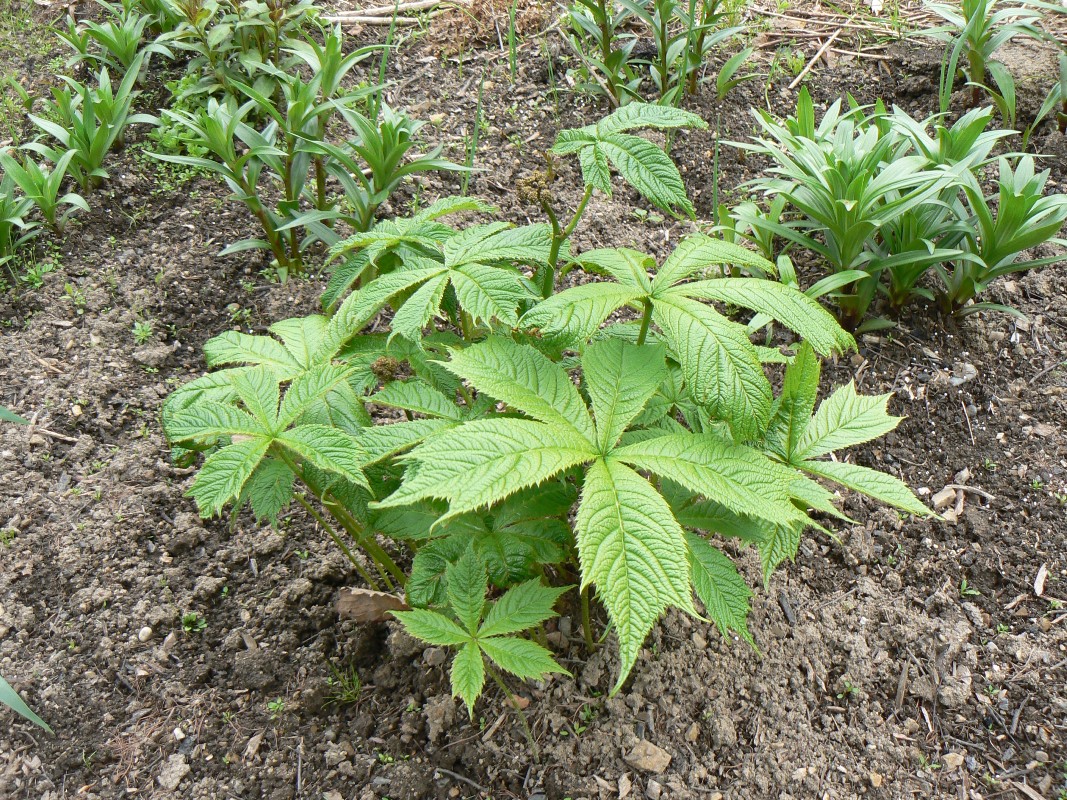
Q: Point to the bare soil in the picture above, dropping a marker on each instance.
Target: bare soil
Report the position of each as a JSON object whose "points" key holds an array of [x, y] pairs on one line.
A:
{"points": [[906, 659]]}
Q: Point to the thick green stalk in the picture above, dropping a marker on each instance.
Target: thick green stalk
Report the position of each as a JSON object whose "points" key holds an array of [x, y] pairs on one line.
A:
{"points": [[364, 538], [338, 541], [587, 624], [559, 236], [646, 318]]}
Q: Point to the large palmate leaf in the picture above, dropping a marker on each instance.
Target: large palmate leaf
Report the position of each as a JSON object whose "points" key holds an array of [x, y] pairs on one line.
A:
{"points": [[633, 550], [723, 370], [390, 241], [640, 163], [478, 265], [267, 423]]}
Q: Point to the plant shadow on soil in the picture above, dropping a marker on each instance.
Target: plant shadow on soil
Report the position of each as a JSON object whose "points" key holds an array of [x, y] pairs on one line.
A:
{"points": [[909, 659]]}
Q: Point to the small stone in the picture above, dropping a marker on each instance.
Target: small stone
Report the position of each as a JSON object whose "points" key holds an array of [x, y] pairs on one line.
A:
{"points": [[693, 733], [144, 634], [179, 734], [434, 656], [1041, 756], [953, 761], [962, 373], [173, 772], [876, 780], [653, 791], [648, 757], [440, 713], [944, 498]]}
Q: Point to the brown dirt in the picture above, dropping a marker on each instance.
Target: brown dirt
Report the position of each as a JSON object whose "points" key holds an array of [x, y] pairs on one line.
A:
{"points": [[877, 675]]}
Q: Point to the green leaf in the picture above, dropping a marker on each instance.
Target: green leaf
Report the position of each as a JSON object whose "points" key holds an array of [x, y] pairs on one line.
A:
{"points": [[259, 390], [498, 242], [628, 267], [426, 586], [417, 396], [793, 308], [521, 657], [10, 698], [870, 482], [707, 515], [649, 170], [9, 416], [270, 489], [525, 379], [520, 608], [595, 171], [648, 115], [308, 389], [698, 252], [224, 474], [489, 293], [738, 477], [417, 311], [630, 546], [620, 378], [328, 449], [233, 347], [360, 307], [301, 336], [720, 588], [845, 419], [431, 627], [382, 441], [574, 315], [467, 585], [721, 367], [792, 410], [468, 675], [208, 420], [780, 545], [482, 462]]}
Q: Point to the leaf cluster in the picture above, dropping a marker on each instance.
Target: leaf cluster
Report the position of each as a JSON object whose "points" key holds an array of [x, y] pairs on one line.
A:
{"points": [[885, 200], [540, 438]]}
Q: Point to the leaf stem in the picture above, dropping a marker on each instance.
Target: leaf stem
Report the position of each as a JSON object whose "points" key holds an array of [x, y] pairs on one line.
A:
{"points": [[373, 584], [587, 624], [646, 318], [352, 526]]}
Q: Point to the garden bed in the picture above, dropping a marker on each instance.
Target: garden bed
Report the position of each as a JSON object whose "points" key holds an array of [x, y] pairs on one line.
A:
{"points": [[910, 658]]}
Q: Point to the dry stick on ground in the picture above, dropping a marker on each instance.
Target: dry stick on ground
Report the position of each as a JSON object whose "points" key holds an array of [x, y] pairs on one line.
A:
{"points": [[384, 14], [814, 59]]}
